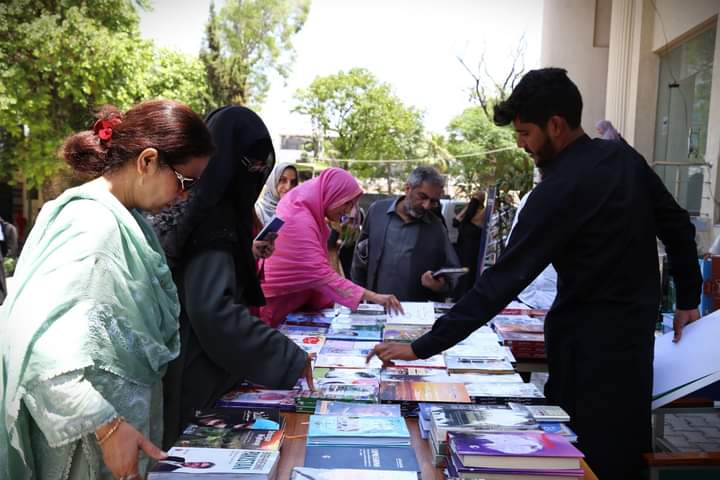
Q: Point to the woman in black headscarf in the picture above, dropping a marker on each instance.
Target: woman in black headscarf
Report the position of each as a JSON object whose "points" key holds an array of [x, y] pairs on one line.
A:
{"points": [[208, 243]]}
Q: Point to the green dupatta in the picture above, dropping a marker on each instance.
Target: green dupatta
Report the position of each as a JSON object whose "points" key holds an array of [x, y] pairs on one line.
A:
{"points": [[92, 288]]}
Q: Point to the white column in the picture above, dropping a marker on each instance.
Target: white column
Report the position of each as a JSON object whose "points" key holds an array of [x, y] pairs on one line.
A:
{"points": [[623, 48]]}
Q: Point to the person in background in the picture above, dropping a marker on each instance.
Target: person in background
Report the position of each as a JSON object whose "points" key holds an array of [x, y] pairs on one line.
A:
{"points": [[469, 222], [8, 239], [209, 246], [282, 179], [606, 131], [299, 277], [402, 241], [595, 216], [92, 322]]}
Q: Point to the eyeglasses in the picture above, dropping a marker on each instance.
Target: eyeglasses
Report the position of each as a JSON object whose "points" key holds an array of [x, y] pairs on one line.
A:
{"points": [[185, 183]]}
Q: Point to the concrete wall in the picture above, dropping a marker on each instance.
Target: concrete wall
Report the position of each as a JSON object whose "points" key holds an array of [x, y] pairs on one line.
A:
{"points": [[567, 41]]}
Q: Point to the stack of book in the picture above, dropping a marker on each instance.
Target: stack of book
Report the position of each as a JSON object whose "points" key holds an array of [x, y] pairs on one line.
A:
{"points": [[527, 455], [357, 327], [409, 394], [347, 354], [226, 443], [523, 334], [361, 438]]}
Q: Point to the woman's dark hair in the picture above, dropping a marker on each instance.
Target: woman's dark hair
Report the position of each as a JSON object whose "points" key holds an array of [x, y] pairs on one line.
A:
{"points": [[540, 95], [172, 128]]}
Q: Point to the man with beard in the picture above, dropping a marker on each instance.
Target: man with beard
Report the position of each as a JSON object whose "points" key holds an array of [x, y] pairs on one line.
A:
{"points": [[402, 242], [595, 217]]}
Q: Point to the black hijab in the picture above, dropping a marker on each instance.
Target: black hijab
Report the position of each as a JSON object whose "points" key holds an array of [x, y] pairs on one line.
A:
{"points": [[218, 213]]}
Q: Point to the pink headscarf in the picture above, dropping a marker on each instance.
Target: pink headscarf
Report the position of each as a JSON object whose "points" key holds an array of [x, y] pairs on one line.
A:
{"points": [[300, 260]]}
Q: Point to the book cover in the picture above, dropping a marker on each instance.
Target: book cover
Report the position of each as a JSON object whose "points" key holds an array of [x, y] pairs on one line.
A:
{"points": [[519, 323], [526, 391], [355, 332], [326, 376], [251, 396], [363, 458], [335, 360], [436, 361], [471, 365], [358, 393], [457, 469], [483, 378], [347, 347], [416, 313], [334, 430], [307, 473], [351, 409], [309, 343], [481, 350], [548, 413], [303, 330], [446, 420], [213, 461], [423, 392], [248, 418], [517, 450], [309, 319], [403, 333]]}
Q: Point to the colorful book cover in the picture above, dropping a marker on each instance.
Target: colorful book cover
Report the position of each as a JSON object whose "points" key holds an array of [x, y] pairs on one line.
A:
{"points": [[363, 458], [307, 473], [519, 450], [309, 343], [255, 418], [548, 413], [423, 392], [519, 323], [347, 347], [403, 333], [351, 409], [214, 461], [559, 429], [326, 376], [254, 439], [355, 332], [303, 330], [457, 470], [334, 430], [251, 396], [358, 393], [444, 420], [309, 319]]}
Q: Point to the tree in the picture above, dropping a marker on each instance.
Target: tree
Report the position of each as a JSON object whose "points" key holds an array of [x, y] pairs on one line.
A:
{"points": [[247, 42], [62, 60], [472, 134], [358, 117]]}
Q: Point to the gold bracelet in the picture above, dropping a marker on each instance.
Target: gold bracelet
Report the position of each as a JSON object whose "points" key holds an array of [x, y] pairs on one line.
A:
{"points": [[116, 424]]}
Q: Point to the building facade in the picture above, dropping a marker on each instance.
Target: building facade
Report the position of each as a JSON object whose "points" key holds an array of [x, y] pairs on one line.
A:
{"points": [[651, 67]]}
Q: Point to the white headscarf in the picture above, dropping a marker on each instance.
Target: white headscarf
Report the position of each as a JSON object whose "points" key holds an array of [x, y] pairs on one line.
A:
{"points": [[266, 205]]}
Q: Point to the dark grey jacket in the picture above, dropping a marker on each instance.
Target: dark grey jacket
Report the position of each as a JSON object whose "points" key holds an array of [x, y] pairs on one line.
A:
{"points": [[432, 251]]}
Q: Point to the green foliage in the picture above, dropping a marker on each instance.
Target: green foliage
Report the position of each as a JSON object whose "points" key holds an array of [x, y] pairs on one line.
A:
{"points": [[247, 42], [9, 265], [59, 61], [472, 132], [359, 117]]}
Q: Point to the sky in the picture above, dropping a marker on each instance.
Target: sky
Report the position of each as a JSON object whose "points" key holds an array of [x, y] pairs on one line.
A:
{"points": [[411, 44]]}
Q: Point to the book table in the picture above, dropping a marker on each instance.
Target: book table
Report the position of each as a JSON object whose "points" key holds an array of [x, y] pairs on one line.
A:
{"points": [[293, 450]]}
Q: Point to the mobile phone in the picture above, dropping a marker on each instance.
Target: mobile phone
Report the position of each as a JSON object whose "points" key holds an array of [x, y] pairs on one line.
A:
{"points": [[273, 226]]}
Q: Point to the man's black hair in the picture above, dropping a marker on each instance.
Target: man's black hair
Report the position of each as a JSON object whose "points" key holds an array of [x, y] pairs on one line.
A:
{"points": [[541, 94]]}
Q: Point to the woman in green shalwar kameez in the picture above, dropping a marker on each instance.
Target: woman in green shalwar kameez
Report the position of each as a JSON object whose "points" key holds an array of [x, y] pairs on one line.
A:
{"points": [[91, 320]]}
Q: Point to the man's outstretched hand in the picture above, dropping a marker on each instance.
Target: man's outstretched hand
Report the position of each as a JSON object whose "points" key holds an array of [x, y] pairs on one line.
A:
{"points": [[387, 351]]}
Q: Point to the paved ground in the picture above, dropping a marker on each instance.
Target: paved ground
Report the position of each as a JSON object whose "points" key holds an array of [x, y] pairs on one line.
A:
{"points": [[686, 432]]}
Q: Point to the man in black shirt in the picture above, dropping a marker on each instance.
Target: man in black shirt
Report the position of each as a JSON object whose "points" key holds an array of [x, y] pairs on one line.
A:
{"points": [[595, 217]]}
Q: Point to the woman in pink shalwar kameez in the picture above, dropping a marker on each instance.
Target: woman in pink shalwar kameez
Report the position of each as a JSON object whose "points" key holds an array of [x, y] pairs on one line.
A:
{"points": [[298, 276]]}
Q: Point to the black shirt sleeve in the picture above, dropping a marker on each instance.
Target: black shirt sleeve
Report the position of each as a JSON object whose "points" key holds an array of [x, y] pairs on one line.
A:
{"points": [[544, 226], [238, 342], [678, 235]]}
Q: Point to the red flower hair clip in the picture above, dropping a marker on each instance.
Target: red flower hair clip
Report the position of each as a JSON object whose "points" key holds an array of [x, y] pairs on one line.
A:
{"points": [[103, 128]]}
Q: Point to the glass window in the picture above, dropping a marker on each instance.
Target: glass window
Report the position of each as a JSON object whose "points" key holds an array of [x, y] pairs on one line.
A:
{"points": [[683, 110]]}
